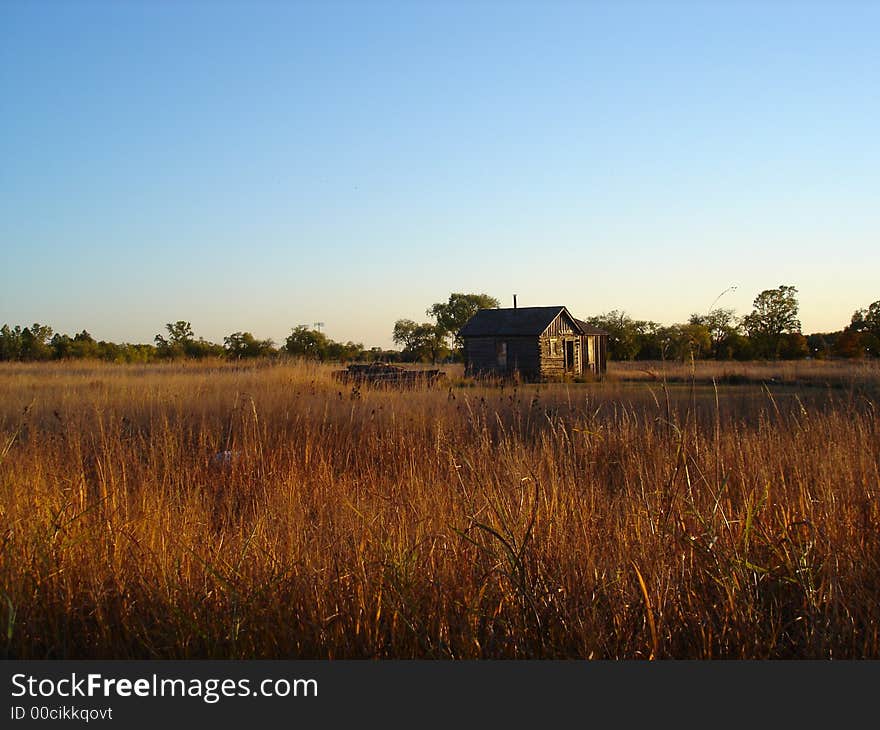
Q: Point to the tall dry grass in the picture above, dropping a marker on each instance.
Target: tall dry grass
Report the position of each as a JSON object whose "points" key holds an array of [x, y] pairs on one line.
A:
{"points": [[595, 520]]}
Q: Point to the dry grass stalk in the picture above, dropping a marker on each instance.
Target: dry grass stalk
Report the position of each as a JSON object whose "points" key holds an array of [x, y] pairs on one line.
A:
{"points": [[594, 520]]}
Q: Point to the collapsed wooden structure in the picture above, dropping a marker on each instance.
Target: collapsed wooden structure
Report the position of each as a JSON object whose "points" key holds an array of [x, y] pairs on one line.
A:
{"points": [[383, 373]]}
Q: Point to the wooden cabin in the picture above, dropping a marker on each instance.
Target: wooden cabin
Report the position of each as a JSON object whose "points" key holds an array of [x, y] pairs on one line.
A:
{"points": [[536, 342]]}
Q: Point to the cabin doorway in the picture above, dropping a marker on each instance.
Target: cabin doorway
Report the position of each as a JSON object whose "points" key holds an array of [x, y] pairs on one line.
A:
{"points": [[570, 362], [501, 352]]}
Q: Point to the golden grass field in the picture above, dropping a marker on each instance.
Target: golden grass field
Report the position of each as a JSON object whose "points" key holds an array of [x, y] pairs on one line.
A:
{"points": [[643, 519]]}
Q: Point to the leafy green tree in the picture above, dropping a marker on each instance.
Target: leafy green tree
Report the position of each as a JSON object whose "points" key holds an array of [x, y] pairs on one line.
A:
{"points": [[867, 320], [343, 351], [181, 342], [622, 340], [420, 341], [628, 338], [849, 344], [180, 334], [871, 343], [306, 342], [127, 352], [61, 345], [821, 344], [860, 338], [736, 346], [35, 342], [377, 354], [774, 315], [694, 341], [10, 342], [451, 316], [84, 345], [721, 324], [648, 338], [201, 347], [110, 351], [794, 346], [312, 343], [244, 344]]}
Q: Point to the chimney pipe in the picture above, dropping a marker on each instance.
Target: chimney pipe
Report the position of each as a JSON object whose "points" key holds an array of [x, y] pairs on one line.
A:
{"points": [[514, 301]]}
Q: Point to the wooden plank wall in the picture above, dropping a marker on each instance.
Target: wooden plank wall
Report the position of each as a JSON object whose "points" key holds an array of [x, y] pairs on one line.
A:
{"points": [[481, 354], [559, 327], [589, 346], [553, 366], [598, 363], [523, 355]]}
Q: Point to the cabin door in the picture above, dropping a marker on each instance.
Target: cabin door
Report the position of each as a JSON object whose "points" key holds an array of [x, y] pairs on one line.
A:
{"points": [[501, 352], [570, 362]]}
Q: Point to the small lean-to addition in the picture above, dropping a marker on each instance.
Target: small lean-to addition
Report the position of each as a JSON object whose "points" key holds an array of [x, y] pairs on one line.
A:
{"points": [[536, 342]]}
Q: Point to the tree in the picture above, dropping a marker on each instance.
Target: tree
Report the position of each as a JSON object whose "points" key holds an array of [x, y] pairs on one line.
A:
{"points": [[83, 345], [10, 342], [867, 320], [628, 338], [452, 315], [244, 344], [794, 346], [420, 341], [737, 347], [849, 344], [721, 324], [35, 342], [871, 343], [127, 352], [774, 314], [80, 346], [343, 351], [694, 341], [306, 342], [821, 344], [181, 342], [648, 339], [180, 334], [312, 343]]}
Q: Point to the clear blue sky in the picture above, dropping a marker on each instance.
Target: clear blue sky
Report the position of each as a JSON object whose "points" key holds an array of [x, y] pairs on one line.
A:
{"points": [[254, 166]]}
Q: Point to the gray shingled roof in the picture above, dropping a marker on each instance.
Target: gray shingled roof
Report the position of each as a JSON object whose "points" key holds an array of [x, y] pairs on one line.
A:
{"points": [[520, 322], [523, 321]]}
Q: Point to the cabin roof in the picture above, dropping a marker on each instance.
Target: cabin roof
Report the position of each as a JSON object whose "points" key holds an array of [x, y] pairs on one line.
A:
{"points": [[519, 322], [522, 321], [589, 329]]}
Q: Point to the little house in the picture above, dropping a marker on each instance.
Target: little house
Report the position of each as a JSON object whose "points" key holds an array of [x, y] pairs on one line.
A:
{"points": [[536, 342]]}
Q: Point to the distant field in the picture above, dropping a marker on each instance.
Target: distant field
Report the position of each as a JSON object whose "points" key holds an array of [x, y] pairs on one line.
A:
{"points": [[833, 373], [266, 511]]}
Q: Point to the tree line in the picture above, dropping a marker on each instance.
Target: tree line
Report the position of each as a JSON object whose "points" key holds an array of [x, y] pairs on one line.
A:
{"points": [[429, 341], [39, 342], [771, 330]]}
